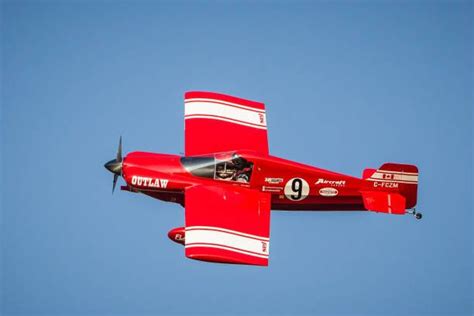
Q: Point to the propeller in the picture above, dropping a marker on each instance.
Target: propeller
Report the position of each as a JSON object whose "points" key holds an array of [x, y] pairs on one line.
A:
{"points": [[115, 165]]}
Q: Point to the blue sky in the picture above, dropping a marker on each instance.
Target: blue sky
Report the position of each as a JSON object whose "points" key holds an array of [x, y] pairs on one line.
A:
{"points": [[347, 85]]}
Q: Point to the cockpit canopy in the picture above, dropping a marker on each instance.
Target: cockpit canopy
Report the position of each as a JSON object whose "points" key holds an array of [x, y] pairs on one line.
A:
{"points": [[222, 166]]}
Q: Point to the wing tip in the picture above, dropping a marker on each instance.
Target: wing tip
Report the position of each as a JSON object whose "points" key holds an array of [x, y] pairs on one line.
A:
{"points": [[208, 254], [223, 97]]}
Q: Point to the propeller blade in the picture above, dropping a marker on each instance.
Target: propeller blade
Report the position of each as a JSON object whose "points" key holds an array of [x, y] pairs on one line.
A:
{"points": [[119, 151], [115, 165], [115, 183]]}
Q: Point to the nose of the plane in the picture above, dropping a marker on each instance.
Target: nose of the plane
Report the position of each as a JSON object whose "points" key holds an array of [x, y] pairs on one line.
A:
{"points": [[114, 166]]}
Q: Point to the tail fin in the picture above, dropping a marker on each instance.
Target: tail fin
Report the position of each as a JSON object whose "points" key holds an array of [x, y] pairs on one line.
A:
{"points": [[393, 176]]}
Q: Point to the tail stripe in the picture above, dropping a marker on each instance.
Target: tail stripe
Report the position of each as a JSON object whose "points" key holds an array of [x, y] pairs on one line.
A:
{"points": [[401, 172], [401, 177], [392, 181]]}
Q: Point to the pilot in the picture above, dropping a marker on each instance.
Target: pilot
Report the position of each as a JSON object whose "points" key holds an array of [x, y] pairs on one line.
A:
{"points": [[243, 169], [238, 161]]}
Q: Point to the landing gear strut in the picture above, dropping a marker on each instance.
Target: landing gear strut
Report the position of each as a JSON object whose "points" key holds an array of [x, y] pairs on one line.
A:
{"points": [[414, 212]]}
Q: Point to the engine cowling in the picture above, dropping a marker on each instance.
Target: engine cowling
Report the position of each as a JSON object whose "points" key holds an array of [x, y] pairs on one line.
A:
{"points": [[177, 235]]}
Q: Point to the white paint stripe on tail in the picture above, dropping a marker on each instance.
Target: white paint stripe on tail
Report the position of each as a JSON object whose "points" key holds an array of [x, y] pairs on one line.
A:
{"points": [[391, 181], [394, 176], [401, 172]]}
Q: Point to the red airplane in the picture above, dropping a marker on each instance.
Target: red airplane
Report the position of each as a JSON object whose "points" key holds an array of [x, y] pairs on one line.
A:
{"points": [[228, 182]]}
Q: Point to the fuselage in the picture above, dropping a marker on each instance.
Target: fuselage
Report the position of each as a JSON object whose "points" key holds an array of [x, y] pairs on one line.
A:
{"points": [[293, 186]]}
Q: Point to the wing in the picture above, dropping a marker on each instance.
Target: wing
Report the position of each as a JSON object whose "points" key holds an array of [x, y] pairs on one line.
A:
{"points": [[227, 225], [216, 123]]}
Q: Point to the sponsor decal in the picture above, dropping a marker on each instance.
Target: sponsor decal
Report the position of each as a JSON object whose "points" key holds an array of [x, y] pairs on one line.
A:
{"points": [[274, 180], [149, 182], [388, 185], [271, 189], [328, 192], [333, 183], [296, 189]]}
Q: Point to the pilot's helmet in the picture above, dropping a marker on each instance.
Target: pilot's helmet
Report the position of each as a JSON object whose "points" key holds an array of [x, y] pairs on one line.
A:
{"points": [[238, 161]]}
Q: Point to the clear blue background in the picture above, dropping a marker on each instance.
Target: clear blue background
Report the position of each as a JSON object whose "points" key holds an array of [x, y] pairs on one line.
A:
{"points": [[348, 85]]}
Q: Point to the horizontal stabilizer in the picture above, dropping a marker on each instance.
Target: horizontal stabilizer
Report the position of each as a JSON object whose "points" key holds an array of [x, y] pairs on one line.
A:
{"points": [[384, 202]]}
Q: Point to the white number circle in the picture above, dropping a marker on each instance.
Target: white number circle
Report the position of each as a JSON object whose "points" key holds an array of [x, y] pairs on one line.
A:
{"points": [[296, 189]]}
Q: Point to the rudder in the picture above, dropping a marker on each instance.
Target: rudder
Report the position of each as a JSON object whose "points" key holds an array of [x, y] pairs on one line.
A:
{"points": [[392, 176]]}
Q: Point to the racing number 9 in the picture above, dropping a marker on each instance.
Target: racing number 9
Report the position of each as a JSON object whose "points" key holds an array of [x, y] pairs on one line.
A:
{"points": [[296, 189]]}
